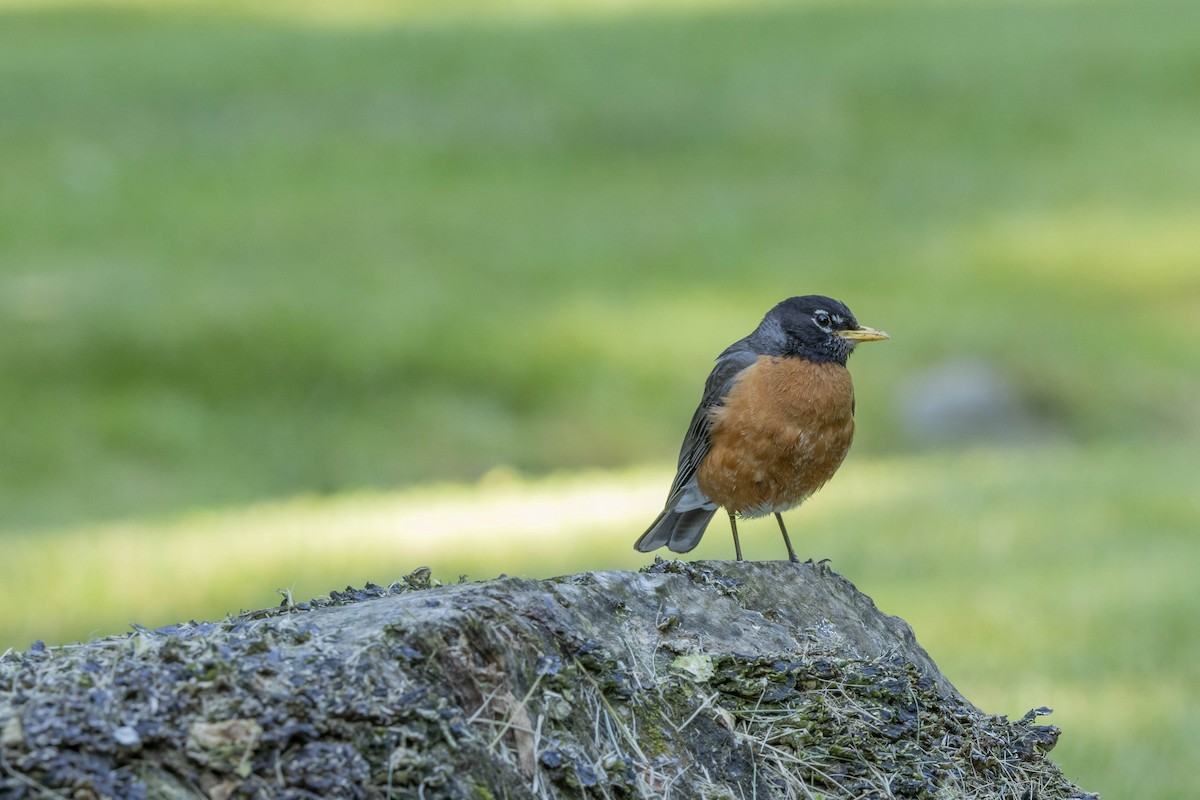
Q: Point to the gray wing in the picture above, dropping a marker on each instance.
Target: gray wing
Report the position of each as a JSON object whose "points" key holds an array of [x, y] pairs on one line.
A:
{"points": [[688, 510]]}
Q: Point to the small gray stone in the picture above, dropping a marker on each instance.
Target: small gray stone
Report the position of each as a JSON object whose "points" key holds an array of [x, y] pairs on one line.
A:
{"points": [[127, 736], [965, 401]]}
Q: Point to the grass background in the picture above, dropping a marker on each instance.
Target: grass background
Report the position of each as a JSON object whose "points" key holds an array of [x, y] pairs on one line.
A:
{"points": [[312, 295]]}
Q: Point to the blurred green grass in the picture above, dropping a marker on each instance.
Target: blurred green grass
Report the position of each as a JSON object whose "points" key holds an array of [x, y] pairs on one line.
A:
{"points": [[249, 257], [244, 258]]}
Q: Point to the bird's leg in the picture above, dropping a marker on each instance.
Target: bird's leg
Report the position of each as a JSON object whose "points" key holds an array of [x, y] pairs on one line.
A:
{"points": [[737, 546], [786, 540]]}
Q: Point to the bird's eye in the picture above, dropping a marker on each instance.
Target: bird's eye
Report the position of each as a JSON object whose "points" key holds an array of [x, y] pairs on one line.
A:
{"points": [[822, 320]]}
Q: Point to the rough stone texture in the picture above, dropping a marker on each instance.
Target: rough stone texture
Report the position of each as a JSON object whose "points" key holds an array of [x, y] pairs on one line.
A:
{"points": [[706, 680]]}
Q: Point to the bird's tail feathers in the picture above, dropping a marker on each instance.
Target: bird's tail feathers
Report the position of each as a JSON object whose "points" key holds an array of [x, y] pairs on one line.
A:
{"points": [[679, 531]]}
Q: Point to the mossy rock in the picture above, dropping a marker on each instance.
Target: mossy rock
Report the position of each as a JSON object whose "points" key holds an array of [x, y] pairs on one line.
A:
{"points": [[705, 680]]}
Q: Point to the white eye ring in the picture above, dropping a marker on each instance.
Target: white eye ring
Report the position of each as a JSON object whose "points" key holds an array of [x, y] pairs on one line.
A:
{"points": [[822, 320]]}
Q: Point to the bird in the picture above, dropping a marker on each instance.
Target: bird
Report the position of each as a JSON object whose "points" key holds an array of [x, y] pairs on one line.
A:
{"points": [[774, 423]]}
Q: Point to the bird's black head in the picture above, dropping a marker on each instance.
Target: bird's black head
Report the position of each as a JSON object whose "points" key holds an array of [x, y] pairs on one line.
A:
{"points": [[813, 327]]}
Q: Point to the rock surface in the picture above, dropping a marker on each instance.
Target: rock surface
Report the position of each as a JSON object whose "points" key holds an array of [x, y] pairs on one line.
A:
{"points": [[704, 680]]}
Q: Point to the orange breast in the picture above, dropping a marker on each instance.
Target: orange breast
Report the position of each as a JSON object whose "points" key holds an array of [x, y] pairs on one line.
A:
{"points": [[781, 434]]}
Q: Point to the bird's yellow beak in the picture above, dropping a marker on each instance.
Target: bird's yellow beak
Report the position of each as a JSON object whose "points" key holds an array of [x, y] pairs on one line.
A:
{"points": [[863, 334]]}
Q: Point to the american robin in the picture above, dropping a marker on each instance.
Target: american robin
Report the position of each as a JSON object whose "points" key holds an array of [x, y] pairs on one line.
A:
{"points": [[775, 422]]}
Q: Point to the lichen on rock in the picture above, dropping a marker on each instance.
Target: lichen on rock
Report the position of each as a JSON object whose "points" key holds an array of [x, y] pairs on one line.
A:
{"points": [[705, 680]]}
